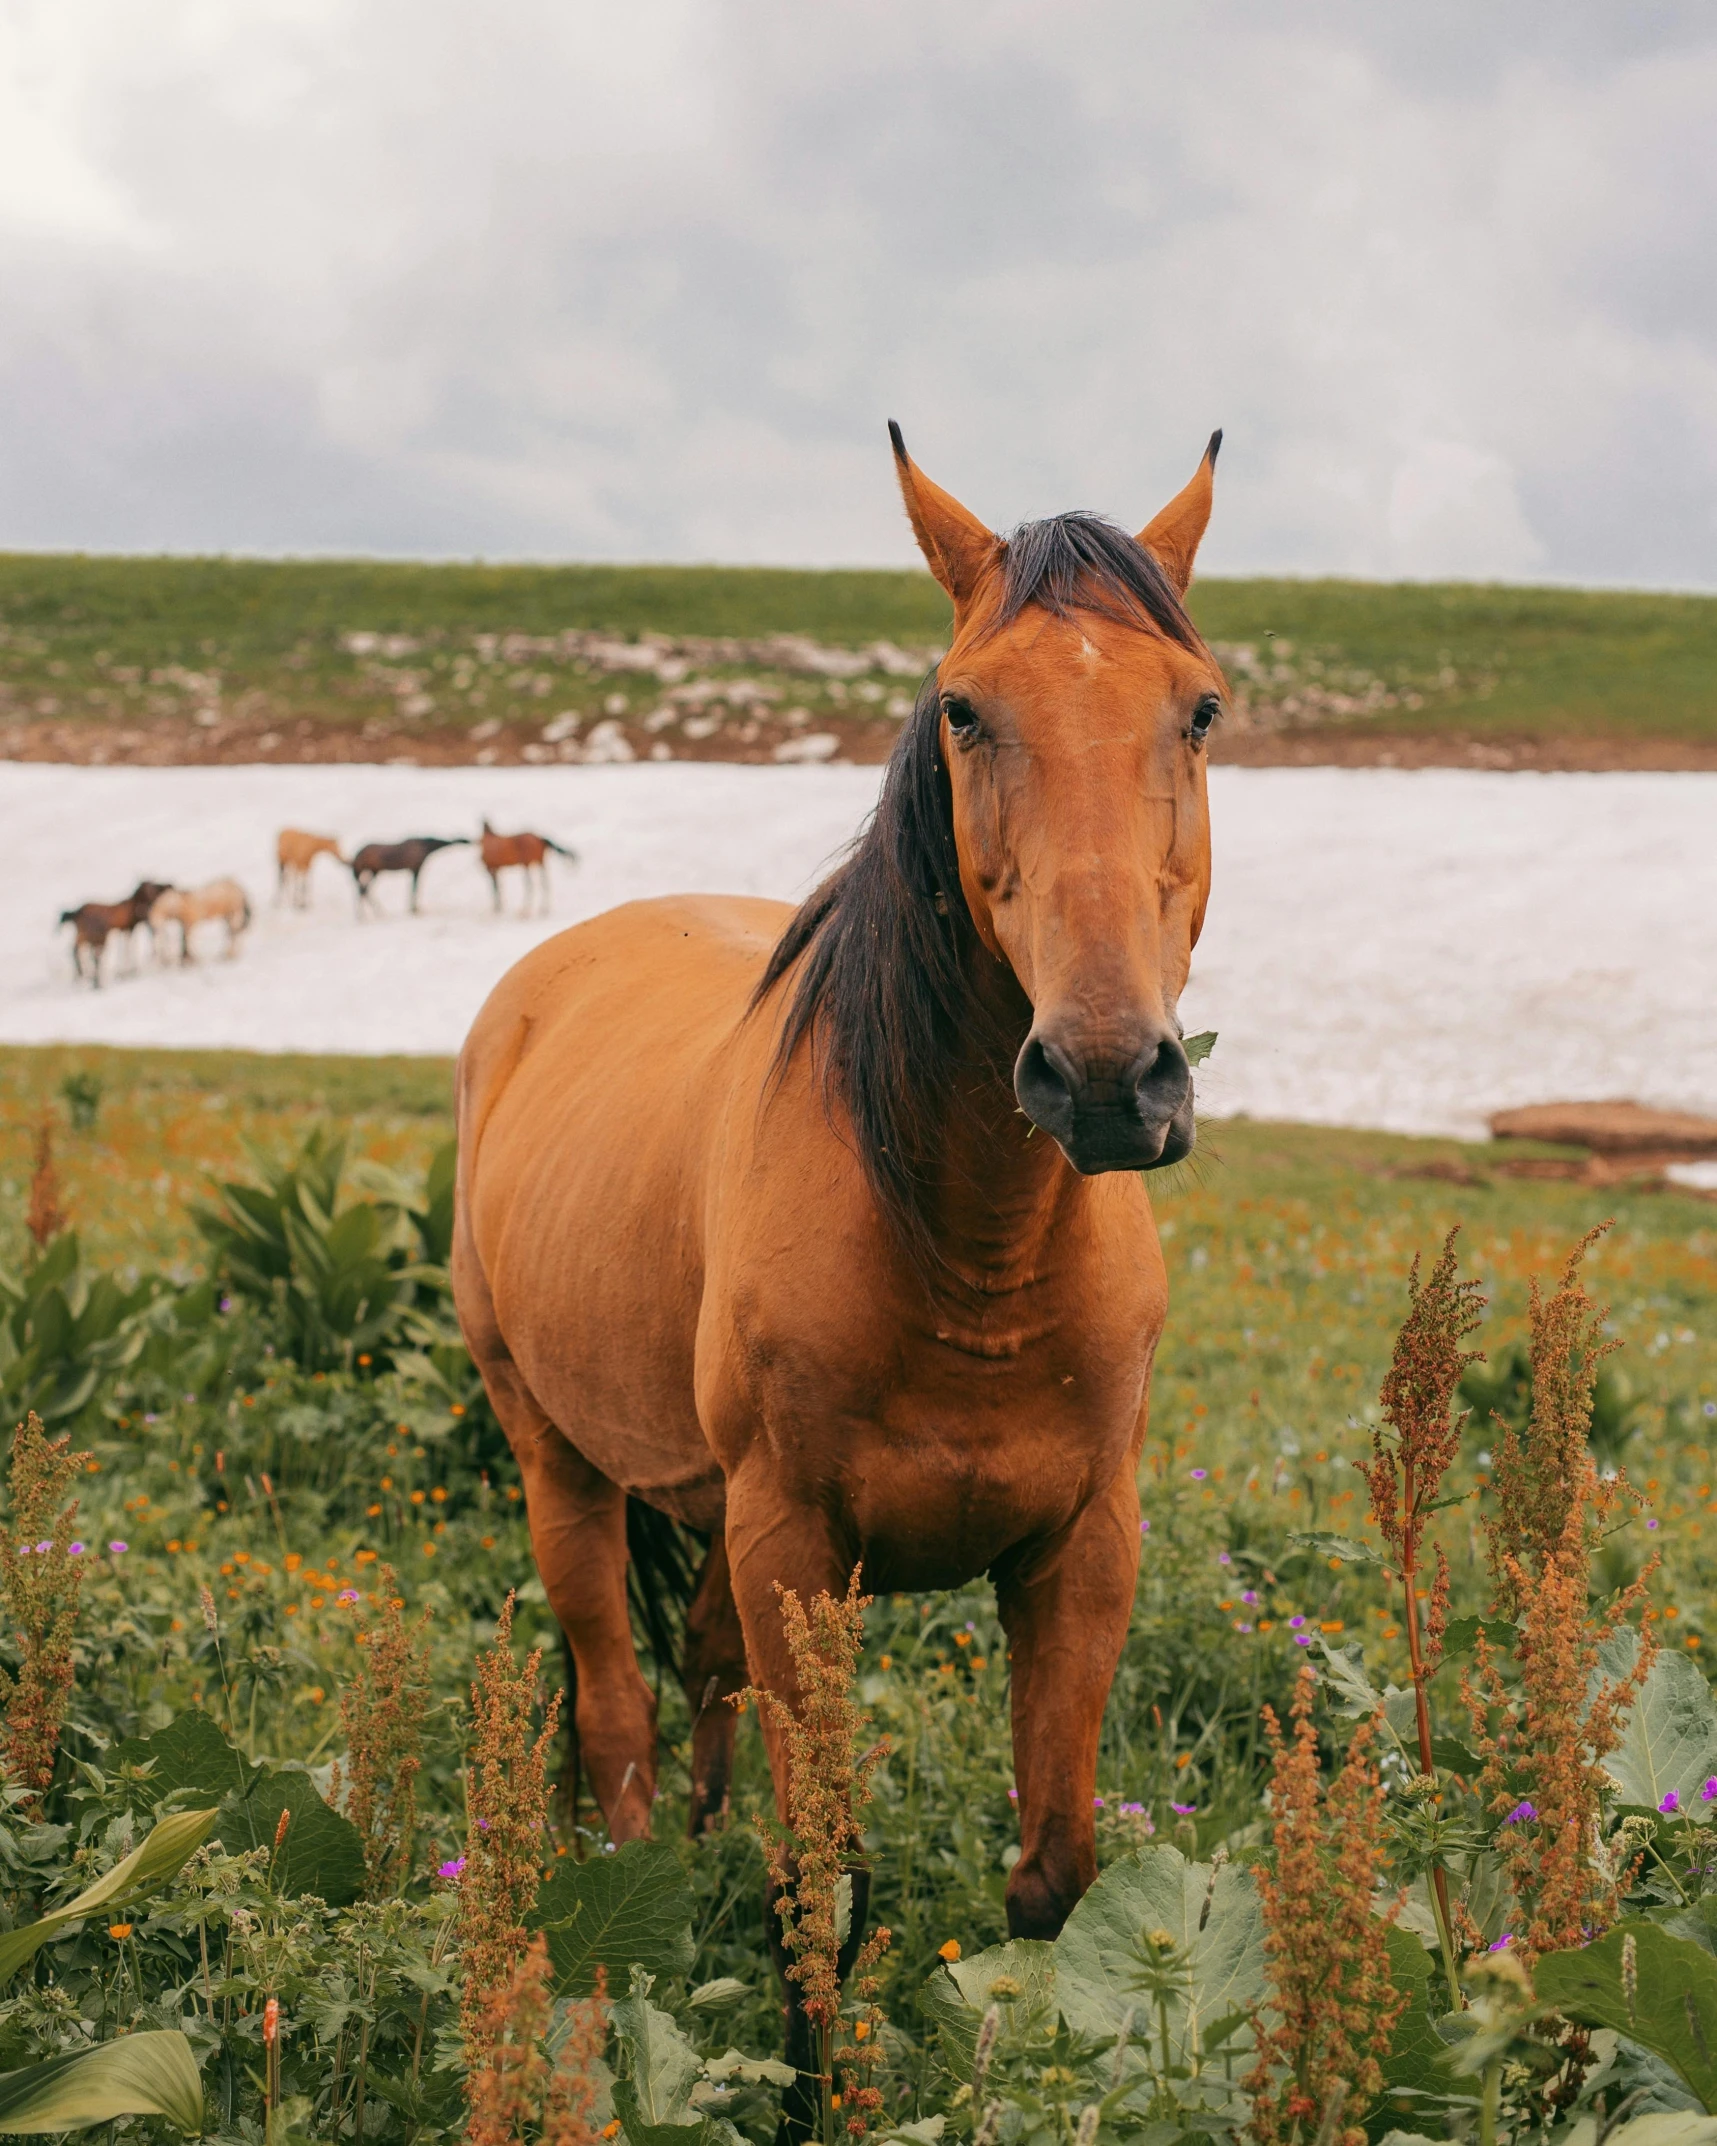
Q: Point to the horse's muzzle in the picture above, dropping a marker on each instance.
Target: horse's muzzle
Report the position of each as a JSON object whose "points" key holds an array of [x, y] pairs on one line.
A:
{"points": [[1136, 1116]]}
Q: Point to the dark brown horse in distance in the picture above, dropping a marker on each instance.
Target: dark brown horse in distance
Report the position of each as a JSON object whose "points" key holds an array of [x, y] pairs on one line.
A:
{"points": [[502, 852], [826, 1231], [94, 923], [410, 856]]}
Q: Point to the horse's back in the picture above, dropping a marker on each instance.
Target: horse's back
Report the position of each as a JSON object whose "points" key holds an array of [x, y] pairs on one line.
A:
{"points": [[592, 1094]]}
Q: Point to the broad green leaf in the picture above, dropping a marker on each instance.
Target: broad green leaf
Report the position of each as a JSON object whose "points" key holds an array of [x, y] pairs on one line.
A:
{"points": [[1354, 1696], [749, 2071], [322, 1853], [151, 2074], [1669, 1737], [1198, 1048], [1674, 2013], [1215, 1921], [628, 2107], [1462, 1635], [1348, 1548], [1663, 2127], [957, 1996], [1413, 2065], [716, 1996], [149, 1865], [662, 2068], [189, 1753], [632, 1908]]}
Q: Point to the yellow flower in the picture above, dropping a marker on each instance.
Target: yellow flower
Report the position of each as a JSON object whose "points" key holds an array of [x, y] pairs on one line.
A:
{"points": [[950, 1951], [119, 1929]]}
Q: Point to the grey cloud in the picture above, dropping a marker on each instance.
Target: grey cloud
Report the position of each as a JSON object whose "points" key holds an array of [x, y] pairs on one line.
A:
{"points": [[565, 281]]}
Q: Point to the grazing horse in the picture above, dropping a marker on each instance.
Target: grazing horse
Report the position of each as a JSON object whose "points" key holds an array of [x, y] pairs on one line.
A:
{"points": [[825, 1231], [295, 852], [408, 856], [501, 852], [221, 901], [95, 922]]}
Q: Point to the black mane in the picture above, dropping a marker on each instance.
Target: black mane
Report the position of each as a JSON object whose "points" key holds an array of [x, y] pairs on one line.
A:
{"points": [[884, 943]]}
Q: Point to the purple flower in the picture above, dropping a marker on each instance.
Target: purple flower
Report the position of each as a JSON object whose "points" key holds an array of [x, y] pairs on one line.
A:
{"points": [[482, 1825], [74, 1549], [454, 1869], [23, 1549], [1502, 1942], [347, 1594], [1013, 1795], [1708, 1794], [1239, 1627], [1521, 1814], [42, 1548], [1302, 1639], [226, 1304], [1097, 1803], [1199, 1474], [118, 1549], [1144, 1527], [1670, 1804], [1294, 1623], [1132, 1810], [1185, 1809], [1651, 1523], [1251, 1595]]}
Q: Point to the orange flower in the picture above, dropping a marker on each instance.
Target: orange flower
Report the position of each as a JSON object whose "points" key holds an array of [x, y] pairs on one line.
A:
{"points": [[120, 1929], [949, 1951]]}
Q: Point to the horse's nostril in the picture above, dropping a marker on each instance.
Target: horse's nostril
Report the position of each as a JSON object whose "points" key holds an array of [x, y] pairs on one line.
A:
{"points": [[1163, 1083], [1045, 1084]]}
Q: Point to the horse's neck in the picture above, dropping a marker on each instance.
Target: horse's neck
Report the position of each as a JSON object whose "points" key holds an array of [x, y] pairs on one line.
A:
{"points": [[1005, 1194]]}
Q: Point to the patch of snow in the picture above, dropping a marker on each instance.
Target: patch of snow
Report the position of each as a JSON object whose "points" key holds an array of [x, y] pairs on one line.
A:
{"points": [[1385, 947]]}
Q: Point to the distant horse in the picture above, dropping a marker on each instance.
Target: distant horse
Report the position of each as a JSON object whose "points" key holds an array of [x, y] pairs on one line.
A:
{"points": [[409, 856], [221, 901], [95, 922], [501, 852], [825, 1231], [296, 851]]}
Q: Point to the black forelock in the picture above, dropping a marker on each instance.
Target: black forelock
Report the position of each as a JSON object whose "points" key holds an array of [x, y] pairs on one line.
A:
{"points": [[1083, 562]]}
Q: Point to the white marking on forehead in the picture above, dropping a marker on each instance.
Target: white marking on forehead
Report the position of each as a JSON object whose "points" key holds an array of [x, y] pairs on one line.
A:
{"points": [[1088, 655]]}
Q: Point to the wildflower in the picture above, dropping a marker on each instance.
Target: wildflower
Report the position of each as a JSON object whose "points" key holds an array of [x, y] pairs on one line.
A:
{"points": [[949, 1950], [1249, 1595], [508, 1802], [1670, 1804], [1502, 1943], [453, 1868], [118, 1549], [74, 1549], [1523, 1814], [1555, 1729], [347, 1594], [1708, 1794], [42, 1604], [1185, 1809], [1199, 1474], [209, 1617], [1332, 2006], [1294, 1623], [120, 1930]]}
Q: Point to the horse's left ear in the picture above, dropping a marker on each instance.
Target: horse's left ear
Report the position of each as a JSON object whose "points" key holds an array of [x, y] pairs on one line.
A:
{"points": [[957, 547], [1175, 535]]}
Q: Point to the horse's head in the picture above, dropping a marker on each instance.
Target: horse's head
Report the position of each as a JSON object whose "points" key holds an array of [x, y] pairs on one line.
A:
{"points": [[1075, 700]]}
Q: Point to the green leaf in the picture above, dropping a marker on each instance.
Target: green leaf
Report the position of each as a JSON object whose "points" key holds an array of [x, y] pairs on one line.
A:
{"points": [[1346, 1547], [1669, 1738], [1675, 2009], [150, 2074], [1198, 1048], [630, 1909], [1414, 2063], [1663, 2127], [716, 1996], [1218, 1928], [1462, 1635], [322, 1853], [662, 2067], [749, 2071], [148, 1866], [956, 1997]]}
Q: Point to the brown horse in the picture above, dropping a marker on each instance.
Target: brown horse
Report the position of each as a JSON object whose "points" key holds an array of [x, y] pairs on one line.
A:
{"points": [[757, 1217], [368, 864], [502, 852], [94, 923], [295, 852]]}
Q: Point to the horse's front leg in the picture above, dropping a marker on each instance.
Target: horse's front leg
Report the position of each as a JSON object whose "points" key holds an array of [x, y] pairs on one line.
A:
{"points": [[1065, 1604]]}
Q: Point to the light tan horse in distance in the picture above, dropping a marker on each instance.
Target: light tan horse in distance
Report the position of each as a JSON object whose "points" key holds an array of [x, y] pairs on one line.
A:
{"points": [[222, 901], [824, 1231], [295, 852]]}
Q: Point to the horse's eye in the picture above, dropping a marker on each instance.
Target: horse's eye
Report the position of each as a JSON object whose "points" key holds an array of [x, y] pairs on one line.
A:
{"points": [[1206, 712], [962, 717]]}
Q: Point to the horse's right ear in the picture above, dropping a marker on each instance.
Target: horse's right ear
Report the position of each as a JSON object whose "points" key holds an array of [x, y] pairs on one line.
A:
{"points": [[957, 548]]}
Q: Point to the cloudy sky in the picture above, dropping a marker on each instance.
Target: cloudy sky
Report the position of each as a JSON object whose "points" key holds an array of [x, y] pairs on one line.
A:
{"points": [[557, 279]]}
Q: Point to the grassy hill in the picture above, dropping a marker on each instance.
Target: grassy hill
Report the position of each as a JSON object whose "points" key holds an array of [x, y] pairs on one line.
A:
{"points": [[344, 644]]}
